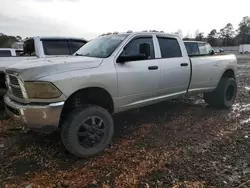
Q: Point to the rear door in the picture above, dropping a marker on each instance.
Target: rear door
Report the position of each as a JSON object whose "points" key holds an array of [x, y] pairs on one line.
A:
{"points": [[175, 67]]}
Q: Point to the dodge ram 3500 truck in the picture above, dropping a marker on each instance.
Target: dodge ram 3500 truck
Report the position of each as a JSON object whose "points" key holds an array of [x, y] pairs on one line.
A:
{"points": [[34, 48], [111, 74]]}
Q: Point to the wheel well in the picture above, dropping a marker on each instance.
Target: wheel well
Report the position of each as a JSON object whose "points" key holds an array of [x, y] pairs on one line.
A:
{"points": [[229, 74], [92, 95], [2, 80]]}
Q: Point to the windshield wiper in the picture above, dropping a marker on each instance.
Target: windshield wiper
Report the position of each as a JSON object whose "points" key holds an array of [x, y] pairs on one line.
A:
{"points": [[78, 54], [87, 54]]}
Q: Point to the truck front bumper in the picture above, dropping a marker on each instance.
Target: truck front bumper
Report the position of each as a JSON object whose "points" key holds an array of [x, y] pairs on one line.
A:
{"points": [[35, 116]]}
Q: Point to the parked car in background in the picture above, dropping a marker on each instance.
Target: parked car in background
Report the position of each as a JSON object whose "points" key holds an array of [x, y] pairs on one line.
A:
{"points": [[111, 74], [221, 50], [198, 48], [35, 48], [9, 52], [39, 47], [47, 46], [17, 45], [218, 50], [244, 48]]}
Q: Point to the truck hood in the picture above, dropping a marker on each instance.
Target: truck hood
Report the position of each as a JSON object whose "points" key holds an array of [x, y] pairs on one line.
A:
{"points": [[8, 61], [37, 68]]}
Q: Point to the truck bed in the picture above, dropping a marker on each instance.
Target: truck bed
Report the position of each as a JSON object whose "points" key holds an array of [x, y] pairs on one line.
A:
{"points": [[206, 70]]}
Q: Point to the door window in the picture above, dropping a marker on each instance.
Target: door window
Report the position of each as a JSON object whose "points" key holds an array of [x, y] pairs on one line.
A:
{"points": [[192, 48], [202, 48], [133, 48], [209, 48], [170, 47], [56, 47]]}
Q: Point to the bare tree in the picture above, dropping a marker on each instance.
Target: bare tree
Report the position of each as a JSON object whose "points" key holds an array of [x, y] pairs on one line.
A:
{"points": [[199, 36], [179, 32]]}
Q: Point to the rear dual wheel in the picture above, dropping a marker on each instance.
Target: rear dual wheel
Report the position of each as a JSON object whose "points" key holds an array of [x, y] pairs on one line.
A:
{"points": [[224, 95]]}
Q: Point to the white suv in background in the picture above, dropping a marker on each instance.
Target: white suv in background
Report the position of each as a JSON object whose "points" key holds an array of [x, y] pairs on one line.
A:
{"points": [[8, 52]]}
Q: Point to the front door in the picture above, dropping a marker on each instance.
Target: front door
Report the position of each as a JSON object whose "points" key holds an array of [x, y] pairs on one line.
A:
{"points": [[138, 81]]}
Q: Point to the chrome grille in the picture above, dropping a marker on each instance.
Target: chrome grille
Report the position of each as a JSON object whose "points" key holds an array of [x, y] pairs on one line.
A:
{"points": [[13, 80], [14, 86], [17, 92]]}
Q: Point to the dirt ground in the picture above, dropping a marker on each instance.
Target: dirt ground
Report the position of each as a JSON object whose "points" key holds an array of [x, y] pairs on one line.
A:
{"points": [[178, 144]]}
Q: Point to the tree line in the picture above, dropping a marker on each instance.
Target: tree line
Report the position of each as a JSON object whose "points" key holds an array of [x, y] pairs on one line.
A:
{"points": [[227, 36], [6, 41]]}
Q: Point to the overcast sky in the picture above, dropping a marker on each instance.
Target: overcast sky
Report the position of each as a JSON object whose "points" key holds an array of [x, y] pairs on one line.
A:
{"points": [[89, 18]]}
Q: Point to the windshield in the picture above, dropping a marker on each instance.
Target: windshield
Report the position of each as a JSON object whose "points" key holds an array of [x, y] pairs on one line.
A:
{"points": [[102, 46]]}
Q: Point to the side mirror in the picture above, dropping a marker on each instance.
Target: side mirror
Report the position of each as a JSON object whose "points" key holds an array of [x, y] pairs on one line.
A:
{"points": [[125, 58], [144, 48]]}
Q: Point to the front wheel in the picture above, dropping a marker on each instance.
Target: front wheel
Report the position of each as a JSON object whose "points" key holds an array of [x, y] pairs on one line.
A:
{"points": [[224, 95], [87, 131]]}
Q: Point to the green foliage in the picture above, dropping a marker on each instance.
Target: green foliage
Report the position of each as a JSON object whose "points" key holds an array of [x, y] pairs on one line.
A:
{"points": [[6, 41], [199, 36], [212, 37], [227, 34], [244, 30]]}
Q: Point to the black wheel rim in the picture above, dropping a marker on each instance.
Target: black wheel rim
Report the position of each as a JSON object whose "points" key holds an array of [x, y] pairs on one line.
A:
{"points": [[230, 92], [91, 132]]}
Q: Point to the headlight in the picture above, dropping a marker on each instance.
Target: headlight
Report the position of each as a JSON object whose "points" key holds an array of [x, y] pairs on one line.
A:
{"points": [[41, 90]]}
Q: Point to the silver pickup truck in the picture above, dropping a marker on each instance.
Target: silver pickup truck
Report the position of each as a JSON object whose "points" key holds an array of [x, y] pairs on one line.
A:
{"points": [[110, 74]]}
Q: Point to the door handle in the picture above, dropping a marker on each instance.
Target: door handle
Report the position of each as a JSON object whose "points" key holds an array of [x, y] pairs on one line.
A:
{"points": [[153, 68], [184, 64]]}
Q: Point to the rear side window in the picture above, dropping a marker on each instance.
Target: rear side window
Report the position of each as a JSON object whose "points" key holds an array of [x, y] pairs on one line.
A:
{"points": [[76, 45], [56, 47], [170, 47], [209, 48], [192, 48], [5, 53], [202, 48]]}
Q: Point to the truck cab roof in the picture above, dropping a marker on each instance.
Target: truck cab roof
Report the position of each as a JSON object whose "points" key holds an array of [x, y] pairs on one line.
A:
{"points": [[193, 41], [142, 33], [55, 37]]}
